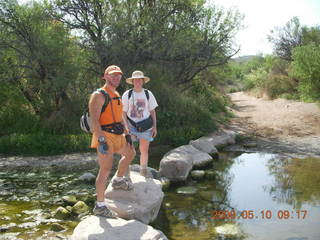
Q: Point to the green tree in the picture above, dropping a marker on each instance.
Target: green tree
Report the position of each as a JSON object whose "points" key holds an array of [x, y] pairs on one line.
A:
{"points": [[285, 38], [184, 36], [40, 61], [306, 67], [311, 35]]}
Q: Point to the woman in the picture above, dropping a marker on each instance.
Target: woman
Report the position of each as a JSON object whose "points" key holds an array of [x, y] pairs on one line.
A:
{"points": [[139, 116]]}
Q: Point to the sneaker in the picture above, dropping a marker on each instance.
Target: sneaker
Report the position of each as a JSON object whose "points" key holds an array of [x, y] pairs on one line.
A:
{"points": [[124, 184], [104, 212], [127, 178]]}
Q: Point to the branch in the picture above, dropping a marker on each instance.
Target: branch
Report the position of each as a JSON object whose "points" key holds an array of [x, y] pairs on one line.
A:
{"points": [[205, 66]]}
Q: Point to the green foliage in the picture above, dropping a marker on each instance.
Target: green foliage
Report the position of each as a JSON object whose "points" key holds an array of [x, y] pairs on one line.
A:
{"points": [[277, 82], [207, 96], [311, 35], [279, 85], [15, 114], [41, 61], [177, 121], [185, 36], [269, 75], [255, 79], [306, 67], [236, 76], [47, 73], [292, 73], [286, 38], [43, 144], [253, 64]]}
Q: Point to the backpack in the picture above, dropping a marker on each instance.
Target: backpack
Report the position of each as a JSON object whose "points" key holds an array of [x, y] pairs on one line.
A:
{"points": [[146, 92], [85, 122]]}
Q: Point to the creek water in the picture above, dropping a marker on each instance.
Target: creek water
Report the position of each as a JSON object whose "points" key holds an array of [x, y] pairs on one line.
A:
{"points": [[249, 196], [253, 196]]}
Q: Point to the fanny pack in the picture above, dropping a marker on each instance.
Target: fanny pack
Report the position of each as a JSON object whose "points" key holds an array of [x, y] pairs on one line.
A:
{"points": [[142, 125], [115, 128]]}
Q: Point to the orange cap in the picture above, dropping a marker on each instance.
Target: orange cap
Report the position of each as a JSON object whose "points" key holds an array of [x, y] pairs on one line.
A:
{"points": [[112, 69]]}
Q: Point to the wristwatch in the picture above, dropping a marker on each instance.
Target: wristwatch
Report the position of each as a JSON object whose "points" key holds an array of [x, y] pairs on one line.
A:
{"points": [[101, 139]]}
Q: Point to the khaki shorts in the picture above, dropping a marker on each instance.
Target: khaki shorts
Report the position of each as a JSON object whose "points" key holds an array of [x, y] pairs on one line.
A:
{"points": [[115, 142]]}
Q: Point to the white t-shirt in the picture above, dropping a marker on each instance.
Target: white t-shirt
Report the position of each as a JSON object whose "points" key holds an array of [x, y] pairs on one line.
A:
{"points": [[138, 107]]}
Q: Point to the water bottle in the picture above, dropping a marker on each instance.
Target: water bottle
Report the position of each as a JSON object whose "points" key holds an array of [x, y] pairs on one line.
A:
{"points": [[103, 146]]}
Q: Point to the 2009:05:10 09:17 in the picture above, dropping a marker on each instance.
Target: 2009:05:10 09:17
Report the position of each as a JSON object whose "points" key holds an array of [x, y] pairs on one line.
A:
{"points": [[264, 214]]}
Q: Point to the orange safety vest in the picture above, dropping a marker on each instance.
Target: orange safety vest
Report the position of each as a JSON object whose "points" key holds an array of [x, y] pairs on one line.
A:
{"points": [[114, 105]]}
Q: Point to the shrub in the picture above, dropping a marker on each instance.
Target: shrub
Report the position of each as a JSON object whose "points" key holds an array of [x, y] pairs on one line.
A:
{"points": [[255, 79], [306, 67], [182, 117], [16, 115], [276, 85]]}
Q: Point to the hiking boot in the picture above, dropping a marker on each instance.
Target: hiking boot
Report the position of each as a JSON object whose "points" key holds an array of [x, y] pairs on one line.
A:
{"points": [[104, 212], [124, 184]]}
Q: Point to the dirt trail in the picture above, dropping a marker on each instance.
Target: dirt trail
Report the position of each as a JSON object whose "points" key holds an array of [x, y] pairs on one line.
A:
{"points": [[283, 125]]}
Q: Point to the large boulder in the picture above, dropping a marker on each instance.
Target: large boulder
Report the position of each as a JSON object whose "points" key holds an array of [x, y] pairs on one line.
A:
{"points": [[142, 203], [204, 144], [177, 163], [223, 138], [100, 228], [210, 143]]}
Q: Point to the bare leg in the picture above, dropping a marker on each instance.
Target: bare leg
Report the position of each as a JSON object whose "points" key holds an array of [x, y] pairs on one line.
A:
{"points": [[105, 165], [144, 150], [128, 153]]}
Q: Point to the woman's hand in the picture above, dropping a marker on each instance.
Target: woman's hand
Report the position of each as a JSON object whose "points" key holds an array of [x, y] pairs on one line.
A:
{"points": [[154, 132], [126, 130]]}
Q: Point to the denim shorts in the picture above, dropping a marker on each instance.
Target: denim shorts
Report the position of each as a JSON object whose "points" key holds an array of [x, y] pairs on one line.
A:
{"points": [[136, 136]]}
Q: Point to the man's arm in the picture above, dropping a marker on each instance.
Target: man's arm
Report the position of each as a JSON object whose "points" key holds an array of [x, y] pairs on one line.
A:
{"points": [[125, 122]]}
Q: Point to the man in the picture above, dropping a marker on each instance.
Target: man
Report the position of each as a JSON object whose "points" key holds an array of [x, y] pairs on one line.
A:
{"points": [[109, 138]]}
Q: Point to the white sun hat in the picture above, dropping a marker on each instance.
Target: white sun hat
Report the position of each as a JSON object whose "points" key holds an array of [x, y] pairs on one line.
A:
{"points": [[136, 75]]}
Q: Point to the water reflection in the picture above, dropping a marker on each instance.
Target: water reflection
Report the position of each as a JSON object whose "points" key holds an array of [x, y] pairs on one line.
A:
{"points": [[191, 216], [269, 189], [297, 181]]}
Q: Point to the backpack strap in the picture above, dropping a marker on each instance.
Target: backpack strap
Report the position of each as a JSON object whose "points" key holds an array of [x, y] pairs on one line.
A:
{"points": [[107, 99], [130, 93], [146, 92]]}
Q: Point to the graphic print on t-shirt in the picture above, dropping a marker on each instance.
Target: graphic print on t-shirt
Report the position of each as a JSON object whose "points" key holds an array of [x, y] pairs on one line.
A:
{"points": [[138, 108]]}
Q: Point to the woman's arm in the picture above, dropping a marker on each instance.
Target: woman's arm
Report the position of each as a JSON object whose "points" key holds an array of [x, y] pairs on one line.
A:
{"points": [[154, 120]]}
